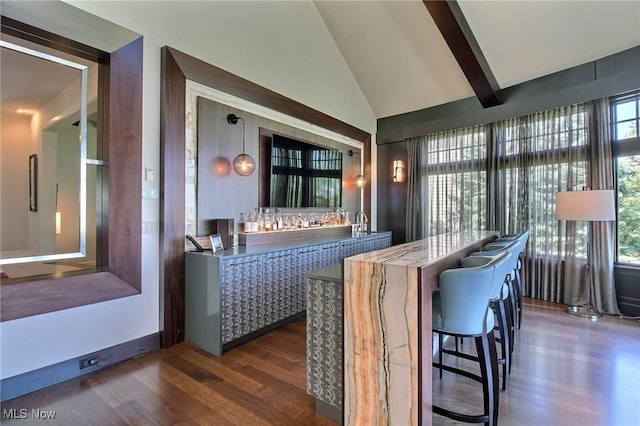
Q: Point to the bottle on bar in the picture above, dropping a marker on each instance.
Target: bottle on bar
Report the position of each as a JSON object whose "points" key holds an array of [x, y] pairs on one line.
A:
{"points": [[242, 228]]}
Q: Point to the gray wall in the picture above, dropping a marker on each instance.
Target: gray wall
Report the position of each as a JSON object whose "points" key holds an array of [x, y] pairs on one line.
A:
{"points": [[392, 196]]}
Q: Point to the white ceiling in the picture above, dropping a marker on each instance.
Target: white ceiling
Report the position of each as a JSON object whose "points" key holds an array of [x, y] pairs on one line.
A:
{"points": [[29, 82], [401, 62]]}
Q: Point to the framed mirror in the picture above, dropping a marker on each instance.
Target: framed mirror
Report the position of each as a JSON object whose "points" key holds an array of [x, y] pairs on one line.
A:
{"points": [[44, 101], [117, 55]]}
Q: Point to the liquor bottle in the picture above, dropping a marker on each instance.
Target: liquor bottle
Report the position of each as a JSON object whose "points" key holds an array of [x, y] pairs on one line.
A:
{"points": [[260, 222], [267, 222], [242, 228], [254, 222]]}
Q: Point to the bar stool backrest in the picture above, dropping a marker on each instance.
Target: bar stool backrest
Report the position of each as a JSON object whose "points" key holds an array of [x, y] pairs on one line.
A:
{"points": [[464, 299], [502, 261]]}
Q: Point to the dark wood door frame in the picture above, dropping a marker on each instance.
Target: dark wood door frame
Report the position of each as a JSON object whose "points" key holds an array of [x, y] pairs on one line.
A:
{"points": [[177, 68]]}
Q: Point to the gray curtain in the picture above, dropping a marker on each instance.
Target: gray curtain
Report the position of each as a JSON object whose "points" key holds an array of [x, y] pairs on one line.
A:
{"points": [[602, 233], [537, 156], [459, 181], [414, 211]]}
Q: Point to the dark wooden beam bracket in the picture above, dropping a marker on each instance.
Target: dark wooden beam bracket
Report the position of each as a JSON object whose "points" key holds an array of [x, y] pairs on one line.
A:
{"points": [[456, 32]]}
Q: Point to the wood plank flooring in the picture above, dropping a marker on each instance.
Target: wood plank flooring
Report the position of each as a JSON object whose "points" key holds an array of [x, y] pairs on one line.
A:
{"points": [[566, 371]]}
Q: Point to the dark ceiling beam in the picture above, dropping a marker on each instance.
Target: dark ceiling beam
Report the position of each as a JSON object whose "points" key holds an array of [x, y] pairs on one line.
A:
{"points": [[456, 32]]}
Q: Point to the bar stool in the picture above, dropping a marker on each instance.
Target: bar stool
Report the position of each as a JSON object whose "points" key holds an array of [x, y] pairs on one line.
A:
{"points": [[522, 239], [500, 303], [461, 309], [512, 248]]}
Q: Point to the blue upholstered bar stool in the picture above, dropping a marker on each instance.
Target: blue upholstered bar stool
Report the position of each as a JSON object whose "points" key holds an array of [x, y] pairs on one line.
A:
{"points": [[522, 239], [461, 309], [512, 247], [501, 303]]}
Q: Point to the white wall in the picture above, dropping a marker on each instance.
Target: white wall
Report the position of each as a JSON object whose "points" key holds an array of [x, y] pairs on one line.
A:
{"points": [[14, 178], [283, 46]]}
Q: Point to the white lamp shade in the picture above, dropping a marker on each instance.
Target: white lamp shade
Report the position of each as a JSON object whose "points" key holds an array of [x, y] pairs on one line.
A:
{"points": [[594, 205]]}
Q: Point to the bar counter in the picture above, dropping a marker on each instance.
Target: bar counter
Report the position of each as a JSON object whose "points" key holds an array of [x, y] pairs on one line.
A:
{"points": [[387, 327]]}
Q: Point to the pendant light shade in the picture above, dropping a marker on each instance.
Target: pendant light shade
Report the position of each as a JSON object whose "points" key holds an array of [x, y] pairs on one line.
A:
{"points": [[243, 164]]}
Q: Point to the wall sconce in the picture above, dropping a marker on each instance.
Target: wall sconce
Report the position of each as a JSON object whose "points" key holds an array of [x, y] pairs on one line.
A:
{"points": [[243, 164], [359, 180], [398, 171]]}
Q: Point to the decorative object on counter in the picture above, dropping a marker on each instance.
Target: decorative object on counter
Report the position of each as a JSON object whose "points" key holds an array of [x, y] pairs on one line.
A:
{"points": [[196, 244], [216, 243], [359, 180], [590, 206], [243, 164], [223, 227]]}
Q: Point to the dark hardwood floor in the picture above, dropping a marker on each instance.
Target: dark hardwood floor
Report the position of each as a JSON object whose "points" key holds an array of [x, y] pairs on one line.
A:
{"points": [[566, 371]]}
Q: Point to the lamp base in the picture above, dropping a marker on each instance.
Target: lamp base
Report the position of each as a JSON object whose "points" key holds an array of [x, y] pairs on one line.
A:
{"points": [[584, 312]]}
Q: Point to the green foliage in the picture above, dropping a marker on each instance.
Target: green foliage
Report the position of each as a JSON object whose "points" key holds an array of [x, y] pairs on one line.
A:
{"points": [[629, 209]]}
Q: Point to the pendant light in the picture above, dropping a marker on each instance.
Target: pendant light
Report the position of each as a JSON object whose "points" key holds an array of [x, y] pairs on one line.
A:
{"points": [[243, 164], [359, 180]]}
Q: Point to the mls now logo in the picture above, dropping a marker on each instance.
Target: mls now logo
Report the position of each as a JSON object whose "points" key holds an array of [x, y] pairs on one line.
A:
{"points": [[23, 413]]}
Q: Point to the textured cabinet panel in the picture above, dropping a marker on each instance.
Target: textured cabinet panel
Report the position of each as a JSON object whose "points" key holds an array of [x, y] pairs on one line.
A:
{"points": [[242, 296], [324, 341], [281, 285], [349, 247], [381, 241]]}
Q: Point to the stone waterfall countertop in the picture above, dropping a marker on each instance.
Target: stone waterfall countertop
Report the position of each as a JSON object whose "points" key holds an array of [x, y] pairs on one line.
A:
{"points": [[387, 327], [423, 252]]}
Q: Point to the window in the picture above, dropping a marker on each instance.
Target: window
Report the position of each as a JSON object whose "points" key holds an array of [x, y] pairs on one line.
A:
{"points": [[625, 117], [305, 175], [455, 176], [541, 154]]}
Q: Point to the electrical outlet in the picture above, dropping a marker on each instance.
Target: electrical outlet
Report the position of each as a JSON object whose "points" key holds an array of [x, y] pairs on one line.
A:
{"points": [[88, 362]]}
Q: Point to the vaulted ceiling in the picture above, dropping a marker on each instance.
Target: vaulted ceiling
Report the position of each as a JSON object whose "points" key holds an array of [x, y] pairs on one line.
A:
{"points": [[402, 63]]}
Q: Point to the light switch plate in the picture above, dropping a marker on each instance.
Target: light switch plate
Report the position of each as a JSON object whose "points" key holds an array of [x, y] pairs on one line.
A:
{"points": [[149, 174]]}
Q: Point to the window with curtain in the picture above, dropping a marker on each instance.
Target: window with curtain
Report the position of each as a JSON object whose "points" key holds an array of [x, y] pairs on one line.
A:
{"points": [[625, 113], [455, 180], [510, 185], [306, 176], [460, 181], [539, 155]]}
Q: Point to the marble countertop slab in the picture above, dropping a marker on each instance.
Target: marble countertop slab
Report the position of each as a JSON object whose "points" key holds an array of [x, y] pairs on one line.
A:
{"points": [[423, 252]]}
